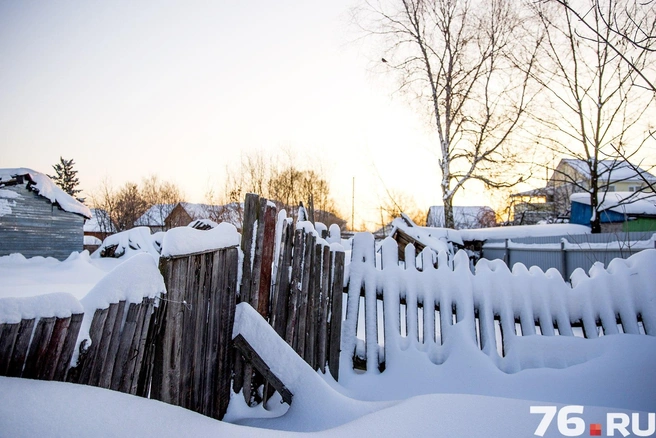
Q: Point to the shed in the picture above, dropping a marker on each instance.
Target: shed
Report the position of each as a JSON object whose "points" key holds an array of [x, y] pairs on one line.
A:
{"points": [[619, 211], [37, 218]]}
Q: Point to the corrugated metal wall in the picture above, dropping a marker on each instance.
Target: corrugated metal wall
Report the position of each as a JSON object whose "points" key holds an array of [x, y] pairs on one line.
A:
{"points": [[35, 227], [580, 251]]}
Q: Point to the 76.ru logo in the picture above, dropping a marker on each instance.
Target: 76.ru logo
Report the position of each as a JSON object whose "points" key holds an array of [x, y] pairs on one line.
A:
{"points": [[569, 424]]}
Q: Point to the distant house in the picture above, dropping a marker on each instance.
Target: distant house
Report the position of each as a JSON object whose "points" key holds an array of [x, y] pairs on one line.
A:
{"points": [[37, 218], [465, 218], [162, 217], [619, 211], [573, 176]]}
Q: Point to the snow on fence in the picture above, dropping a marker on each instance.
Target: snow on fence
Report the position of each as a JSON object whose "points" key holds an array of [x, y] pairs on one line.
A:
{"points": [[104, 335], [294, 278], [568, 253], [432, 304]]}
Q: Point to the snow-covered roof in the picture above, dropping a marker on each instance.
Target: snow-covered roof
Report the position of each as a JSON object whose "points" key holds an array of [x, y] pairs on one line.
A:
{"points": [[464, 217], [629, 203], [612, 170], [44, 186], [155, 215]]}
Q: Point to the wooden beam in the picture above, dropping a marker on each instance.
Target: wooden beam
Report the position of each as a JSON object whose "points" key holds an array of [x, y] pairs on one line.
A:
{"points": [[251, 356]]}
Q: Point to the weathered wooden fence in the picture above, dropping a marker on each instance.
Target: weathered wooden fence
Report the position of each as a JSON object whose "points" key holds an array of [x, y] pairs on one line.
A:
{"points": [[38, 348], [192, 358], [431, 302], [293, 278], [42, 348]]}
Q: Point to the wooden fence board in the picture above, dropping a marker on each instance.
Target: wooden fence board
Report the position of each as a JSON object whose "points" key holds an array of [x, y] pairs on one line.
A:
{"points": [[54, 349], [95, 333], [322, 335], [103, 347], [8, 334], [38, 347], [21, 346], [148, 305], [337, 289], [123, 352], [114, 336], [64, 362]]}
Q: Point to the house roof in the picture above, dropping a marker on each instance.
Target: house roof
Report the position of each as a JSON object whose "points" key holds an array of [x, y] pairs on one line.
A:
{"points": [[612, 170], [43, 186], [629, 203], [156, 215]]}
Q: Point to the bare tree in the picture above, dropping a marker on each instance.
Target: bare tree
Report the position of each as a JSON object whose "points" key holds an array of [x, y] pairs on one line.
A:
{"points": [[595, 108], [281, 180], [461, 60], [629, 22], [160, 196]]}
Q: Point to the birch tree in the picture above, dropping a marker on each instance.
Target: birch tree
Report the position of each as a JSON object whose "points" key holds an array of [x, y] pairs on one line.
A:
{"points": [[597, 101], [467, 63]]}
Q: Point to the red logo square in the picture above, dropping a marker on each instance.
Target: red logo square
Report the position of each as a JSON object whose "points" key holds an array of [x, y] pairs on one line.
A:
{"points": [[595, 429]]}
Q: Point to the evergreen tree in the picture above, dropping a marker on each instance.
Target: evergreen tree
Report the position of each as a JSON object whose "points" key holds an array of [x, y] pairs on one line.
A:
{"points": [[66, 176]]}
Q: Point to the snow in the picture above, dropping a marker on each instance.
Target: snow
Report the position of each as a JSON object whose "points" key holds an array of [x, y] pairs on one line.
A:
{"points": [[187, 240], [518, 231], [44, 186], [91, 240], [628, 203], [130, 242]]}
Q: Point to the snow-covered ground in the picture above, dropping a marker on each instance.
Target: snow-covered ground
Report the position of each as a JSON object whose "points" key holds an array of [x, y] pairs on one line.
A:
{"points": [[611, 378]]}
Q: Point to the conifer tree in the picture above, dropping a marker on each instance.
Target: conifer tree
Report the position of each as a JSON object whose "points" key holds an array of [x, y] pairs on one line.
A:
{"points": [[66, 176]]}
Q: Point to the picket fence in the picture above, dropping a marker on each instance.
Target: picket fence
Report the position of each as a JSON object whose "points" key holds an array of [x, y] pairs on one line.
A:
{"points": [[433, 302]]}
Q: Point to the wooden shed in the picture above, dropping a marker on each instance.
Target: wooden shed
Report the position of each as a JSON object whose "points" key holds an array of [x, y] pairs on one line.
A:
{"points": [[37, 218]]}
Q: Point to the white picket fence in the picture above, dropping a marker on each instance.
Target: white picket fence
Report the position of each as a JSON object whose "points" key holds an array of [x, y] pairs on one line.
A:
{"points": [[433, 304]]}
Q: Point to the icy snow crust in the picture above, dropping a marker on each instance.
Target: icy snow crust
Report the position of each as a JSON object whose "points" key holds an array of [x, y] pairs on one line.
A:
{"points": [[46, 188]]}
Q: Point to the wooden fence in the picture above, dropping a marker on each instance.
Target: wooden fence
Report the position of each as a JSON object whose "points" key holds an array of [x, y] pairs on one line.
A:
{"points": [[42, 349], [432, 302], [38, 349], [295, 281]]}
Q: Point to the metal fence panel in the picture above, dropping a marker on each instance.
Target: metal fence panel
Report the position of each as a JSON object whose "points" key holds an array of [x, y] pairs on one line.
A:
{"points": [[580, 251]]}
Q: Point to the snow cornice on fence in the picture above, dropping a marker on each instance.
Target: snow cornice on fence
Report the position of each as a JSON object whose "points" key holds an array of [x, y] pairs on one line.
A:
{"points": [[183, 241]]}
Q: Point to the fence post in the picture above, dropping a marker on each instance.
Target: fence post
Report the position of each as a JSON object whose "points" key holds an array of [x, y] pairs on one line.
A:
{"points": [[506, 255], [563, 255]]}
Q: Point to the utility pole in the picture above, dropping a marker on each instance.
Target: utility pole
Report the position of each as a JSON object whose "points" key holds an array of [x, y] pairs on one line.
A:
{"points": [[353, 206]]}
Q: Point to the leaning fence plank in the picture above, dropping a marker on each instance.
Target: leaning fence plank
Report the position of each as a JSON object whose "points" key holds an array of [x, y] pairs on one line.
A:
{"points": [[103, 347], [64, 362], [54, 348], [21, 346], [336, 295], [314, 292], [308, 253], [148, 304], [123, 352], [295, 290], [95, 333], [114, 338], [38, 347], [322, 335], [251, 356], [281, 295], [133, 356], [8, 334]]}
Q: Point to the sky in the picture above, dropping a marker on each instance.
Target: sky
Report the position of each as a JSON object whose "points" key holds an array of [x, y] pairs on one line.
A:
{"points": [[183, 89]]}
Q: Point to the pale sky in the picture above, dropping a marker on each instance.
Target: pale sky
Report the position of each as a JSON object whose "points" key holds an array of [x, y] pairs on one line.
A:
{"points": [[180, 89]]}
